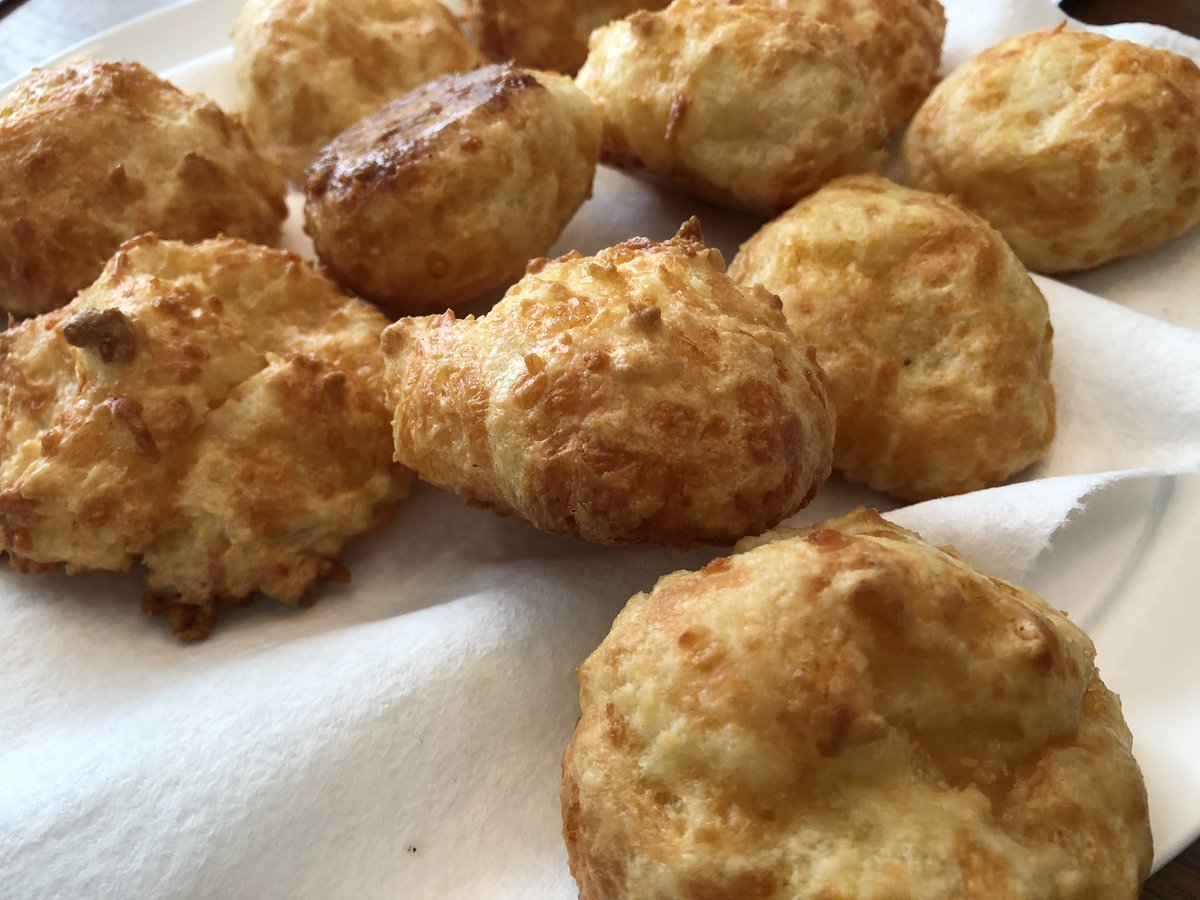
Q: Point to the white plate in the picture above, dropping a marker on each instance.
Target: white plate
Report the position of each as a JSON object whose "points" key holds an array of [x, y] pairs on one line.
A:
{"points": [[1130, 577]]}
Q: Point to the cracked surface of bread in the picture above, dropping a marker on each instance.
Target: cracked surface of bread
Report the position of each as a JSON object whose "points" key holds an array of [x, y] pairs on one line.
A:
{"points": [[215, 410], [450, 190], [545, 34], [746, 106], [637, 395], [1076, 147], [936, 341], [94, 153], [899, 43], [849, 712], [308, 69]]}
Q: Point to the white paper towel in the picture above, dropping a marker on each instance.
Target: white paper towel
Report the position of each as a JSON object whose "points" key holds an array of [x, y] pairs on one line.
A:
{"points": [[401, 738]]}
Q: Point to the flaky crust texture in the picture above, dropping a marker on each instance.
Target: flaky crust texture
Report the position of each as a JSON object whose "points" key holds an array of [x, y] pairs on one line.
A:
{"points": [[450, 190], [849, 713], [545, 34], [308, 69], [214, 409], [1078, 148], [94, 153], [899, 43], [936, 341], [634, 396], [746, 106]]}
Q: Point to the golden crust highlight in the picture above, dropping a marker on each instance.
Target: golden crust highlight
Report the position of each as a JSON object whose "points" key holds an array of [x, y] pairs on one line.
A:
{"points": [[637, 395]]}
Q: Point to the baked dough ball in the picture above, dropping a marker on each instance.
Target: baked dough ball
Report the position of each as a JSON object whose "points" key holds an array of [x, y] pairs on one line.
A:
{"points": [[746, 106], [94, 153], [935, 339], [1078, 148], [849, 712], [899, 43], [545, 34], [215, 409], [450, 190], [309, 69], [637, 395]]}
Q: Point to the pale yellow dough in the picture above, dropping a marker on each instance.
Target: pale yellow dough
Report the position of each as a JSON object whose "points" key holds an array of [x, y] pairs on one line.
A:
{"points": [[936, 341], [94, 153], [1077, 148], [746, 106], [899, 43], [848, 712]]}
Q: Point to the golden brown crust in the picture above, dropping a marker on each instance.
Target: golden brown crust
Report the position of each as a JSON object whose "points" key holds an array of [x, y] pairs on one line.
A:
{"points": [[450, 190], [936, 341], [545, 34], [92, 154], [746, 106], [847, 712], [898, 42], [1077, 148], [309, 69], [634, 396], [215, 409]]}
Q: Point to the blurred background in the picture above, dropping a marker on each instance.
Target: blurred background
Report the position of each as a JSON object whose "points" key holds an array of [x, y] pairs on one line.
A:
{"points": [[33, 30], [1182, 15]]}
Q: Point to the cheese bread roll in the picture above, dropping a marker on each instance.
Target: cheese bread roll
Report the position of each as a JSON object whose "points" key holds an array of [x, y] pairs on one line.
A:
{"points": [[634, 396], [936, 341], [94, 153], [746, 106], [899, 43], [214, 411], [849, 712], [1077, 148], [452, 189]]}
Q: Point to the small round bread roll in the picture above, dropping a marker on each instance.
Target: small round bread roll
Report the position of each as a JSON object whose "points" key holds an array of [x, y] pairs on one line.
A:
{"points": [[545, 34], [899, 43], [215, 409], [450, 190], [93, 153], [849, 712], [935, 339], [638, 395], [309, 69], [1078, 148], [745, 106]]}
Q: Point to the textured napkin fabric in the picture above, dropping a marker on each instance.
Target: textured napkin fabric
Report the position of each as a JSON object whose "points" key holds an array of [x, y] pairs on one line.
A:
{"points": [[402, 738]]}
